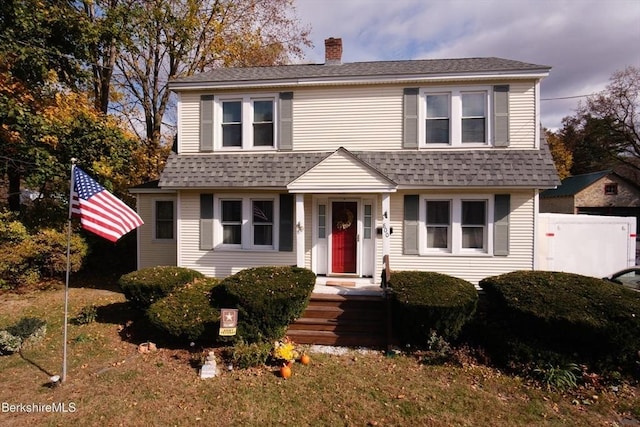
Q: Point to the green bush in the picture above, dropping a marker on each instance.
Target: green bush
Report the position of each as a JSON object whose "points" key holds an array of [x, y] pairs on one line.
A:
{"points": [[9, 343], [424, 302], [146, 286], [243, 355], [25, 258], [187, 312], [28, 328], [267, 299], [536, 315], [88, 314]]}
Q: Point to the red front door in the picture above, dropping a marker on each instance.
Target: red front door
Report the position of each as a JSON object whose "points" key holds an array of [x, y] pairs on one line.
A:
{"points": [[343, 237]]}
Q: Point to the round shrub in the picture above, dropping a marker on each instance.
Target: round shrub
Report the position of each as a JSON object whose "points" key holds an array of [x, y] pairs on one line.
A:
{"points": [[267, 299], [146, 286], [563, 315], [9, 343], [425, 301], [187, 312]]}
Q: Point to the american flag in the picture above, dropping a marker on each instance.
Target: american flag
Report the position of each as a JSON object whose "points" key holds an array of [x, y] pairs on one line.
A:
{"points": [[100, 211]]}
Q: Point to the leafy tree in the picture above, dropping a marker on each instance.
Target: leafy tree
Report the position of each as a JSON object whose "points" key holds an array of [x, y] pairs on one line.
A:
{"points": [[605, 131], [562, 157], [181, 37]]}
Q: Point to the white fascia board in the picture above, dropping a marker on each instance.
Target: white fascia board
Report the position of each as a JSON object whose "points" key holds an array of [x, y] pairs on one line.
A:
{"points": [[362, 80]]}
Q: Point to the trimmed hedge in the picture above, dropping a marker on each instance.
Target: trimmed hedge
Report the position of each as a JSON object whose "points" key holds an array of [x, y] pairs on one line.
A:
{"points": [[146, 286], [426, 301], [538, 314], [187, 313], [267, 299]]}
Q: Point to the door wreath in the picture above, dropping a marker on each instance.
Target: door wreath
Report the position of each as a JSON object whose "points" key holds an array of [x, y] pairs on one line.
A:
{"points": [[344, 219]]}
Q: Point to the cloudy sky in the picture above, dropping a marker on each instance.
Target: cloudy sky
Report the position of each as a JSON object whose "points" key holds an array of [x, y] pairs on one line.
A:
{"points": [[585, 41]]}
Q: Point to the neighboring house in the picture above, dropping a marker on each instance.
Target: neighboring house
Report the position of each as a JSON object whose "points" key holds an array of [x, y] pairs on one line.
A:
{"points": [[436, 163], [599, 193]]}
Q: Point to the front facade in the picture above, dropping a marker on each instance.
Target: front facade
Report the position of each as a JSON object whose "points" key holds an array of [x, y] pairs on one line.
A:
{"points": [[437, 164]]}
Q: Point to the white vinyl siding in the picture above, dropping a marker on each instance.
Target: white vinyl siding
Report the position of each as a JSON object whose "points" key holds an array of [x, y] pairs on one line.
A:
{"points": [[360, 118], [340, 172], [473, 267], [189, 122], [218, 263], [153, 252], [523, 123]]}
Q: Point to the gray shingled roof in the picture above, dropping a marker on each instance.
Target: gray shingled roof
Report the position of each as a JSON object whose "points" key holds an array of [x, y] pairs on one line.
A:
{"points": [[363, 69], [450, 168]]}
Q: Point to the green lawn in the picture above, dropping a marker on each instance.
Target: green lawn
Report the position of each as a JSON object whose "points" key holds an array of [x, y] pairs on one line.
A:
{"points": [[110, 383]]}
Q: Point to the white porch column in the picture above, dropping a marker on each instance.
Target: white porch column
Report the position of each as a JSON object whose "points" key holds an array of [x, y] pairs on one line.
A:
{"points": [[386, 228], [299, 227]]}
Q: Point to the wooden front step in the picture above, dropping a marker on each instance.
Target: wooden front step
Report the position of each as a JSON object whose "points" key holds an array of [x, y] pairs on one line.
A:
{"points": [[354, 321]]}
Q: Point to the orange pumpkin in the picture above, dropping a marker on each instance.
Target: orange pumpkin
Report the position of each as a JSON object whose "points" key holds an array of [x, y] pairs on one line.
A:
{"points": [[285, 372], [305, 359]]}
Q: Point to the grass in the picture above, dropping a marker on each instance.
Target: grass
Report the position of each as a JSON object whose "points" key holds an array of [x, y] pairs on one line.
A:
{"points": [[111, 384]]}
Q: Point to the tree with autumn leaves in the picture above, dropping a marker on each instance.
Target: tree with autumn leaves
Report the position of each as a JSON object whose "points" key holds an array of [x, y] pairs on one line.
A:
{"points": [[89, 79], [605, 131]]}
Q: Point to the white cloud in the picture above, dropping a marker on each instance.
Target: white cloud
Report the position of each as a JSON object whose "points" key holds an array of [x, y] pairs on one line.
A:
{"points": [[585, 41]]}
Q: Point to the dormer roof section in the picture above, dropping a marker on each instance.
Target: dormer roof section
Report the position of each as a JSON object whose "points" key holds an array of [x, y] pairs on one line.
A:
{"points": [[342, 172]]}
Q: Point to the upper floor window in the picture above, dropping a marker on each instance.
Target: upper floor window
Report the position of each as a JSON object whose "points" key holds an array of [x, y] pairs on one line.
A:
{"points": [[611, 189], [454, 116], [245, 122]]}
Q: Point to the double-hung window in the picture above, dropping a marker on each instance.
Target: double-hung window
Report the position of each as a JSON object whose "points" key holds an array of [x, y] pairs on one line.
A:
{"points": [[474, 224], [474, 117], [456, 225], [262, 213], [245, 122], [439, 224], [438, 118], [231, 222], [248, 222], [453, 117], [232, 124], [164, 220]]}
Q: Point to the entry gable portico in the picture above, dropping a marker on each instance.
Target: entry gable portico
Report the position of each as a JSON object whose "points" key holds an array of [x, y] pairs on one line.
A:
{"points": [[342, 172]]}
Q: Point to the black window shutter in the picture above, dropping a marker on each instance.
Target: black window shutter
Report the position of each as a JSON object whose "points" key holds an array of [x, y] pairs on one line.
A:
{"points": [[410, 229], [501, 210], [206, 221], [501, 116], [206, 123], [286, 223], [410, 117], [285, 119]]}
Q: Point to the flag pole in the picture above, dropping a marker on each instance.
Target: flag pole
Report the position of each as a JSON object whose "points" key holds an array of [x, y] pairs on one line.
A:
{"points": [[66, 284]]}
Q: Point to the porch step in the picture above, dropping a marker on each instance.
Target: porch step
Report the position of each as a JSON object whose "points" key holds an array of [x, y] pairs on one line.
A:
{"points": [[344, 320]]}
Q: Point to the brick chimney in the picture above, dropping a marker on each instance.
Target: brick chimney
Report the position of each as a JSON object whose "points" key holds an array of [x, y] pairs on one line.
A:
{"points": [[333, 51]]}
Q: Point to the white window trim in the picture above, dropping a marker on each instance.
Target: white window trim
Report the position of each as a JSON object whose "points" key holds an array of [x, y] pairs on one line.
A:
{"points": [[455, 115], [455, 231], [247, 223], [155, 237], [247, 121]]}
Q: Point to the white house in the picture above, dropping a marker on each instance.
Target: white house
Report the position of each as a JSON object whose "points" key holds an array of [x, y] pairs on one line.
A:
{"points": [[436, 163]]}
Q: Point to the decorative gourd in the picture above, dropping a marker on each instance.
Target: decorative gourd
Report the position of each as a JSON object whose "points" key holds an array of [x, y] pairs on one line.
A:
{"points": [[305, 359], [285, 372]]}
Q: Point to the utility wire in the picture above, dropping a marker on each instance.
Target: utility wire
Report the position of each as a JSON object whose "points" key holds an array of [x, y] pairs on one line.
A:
{"points": [[566, 97]]}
